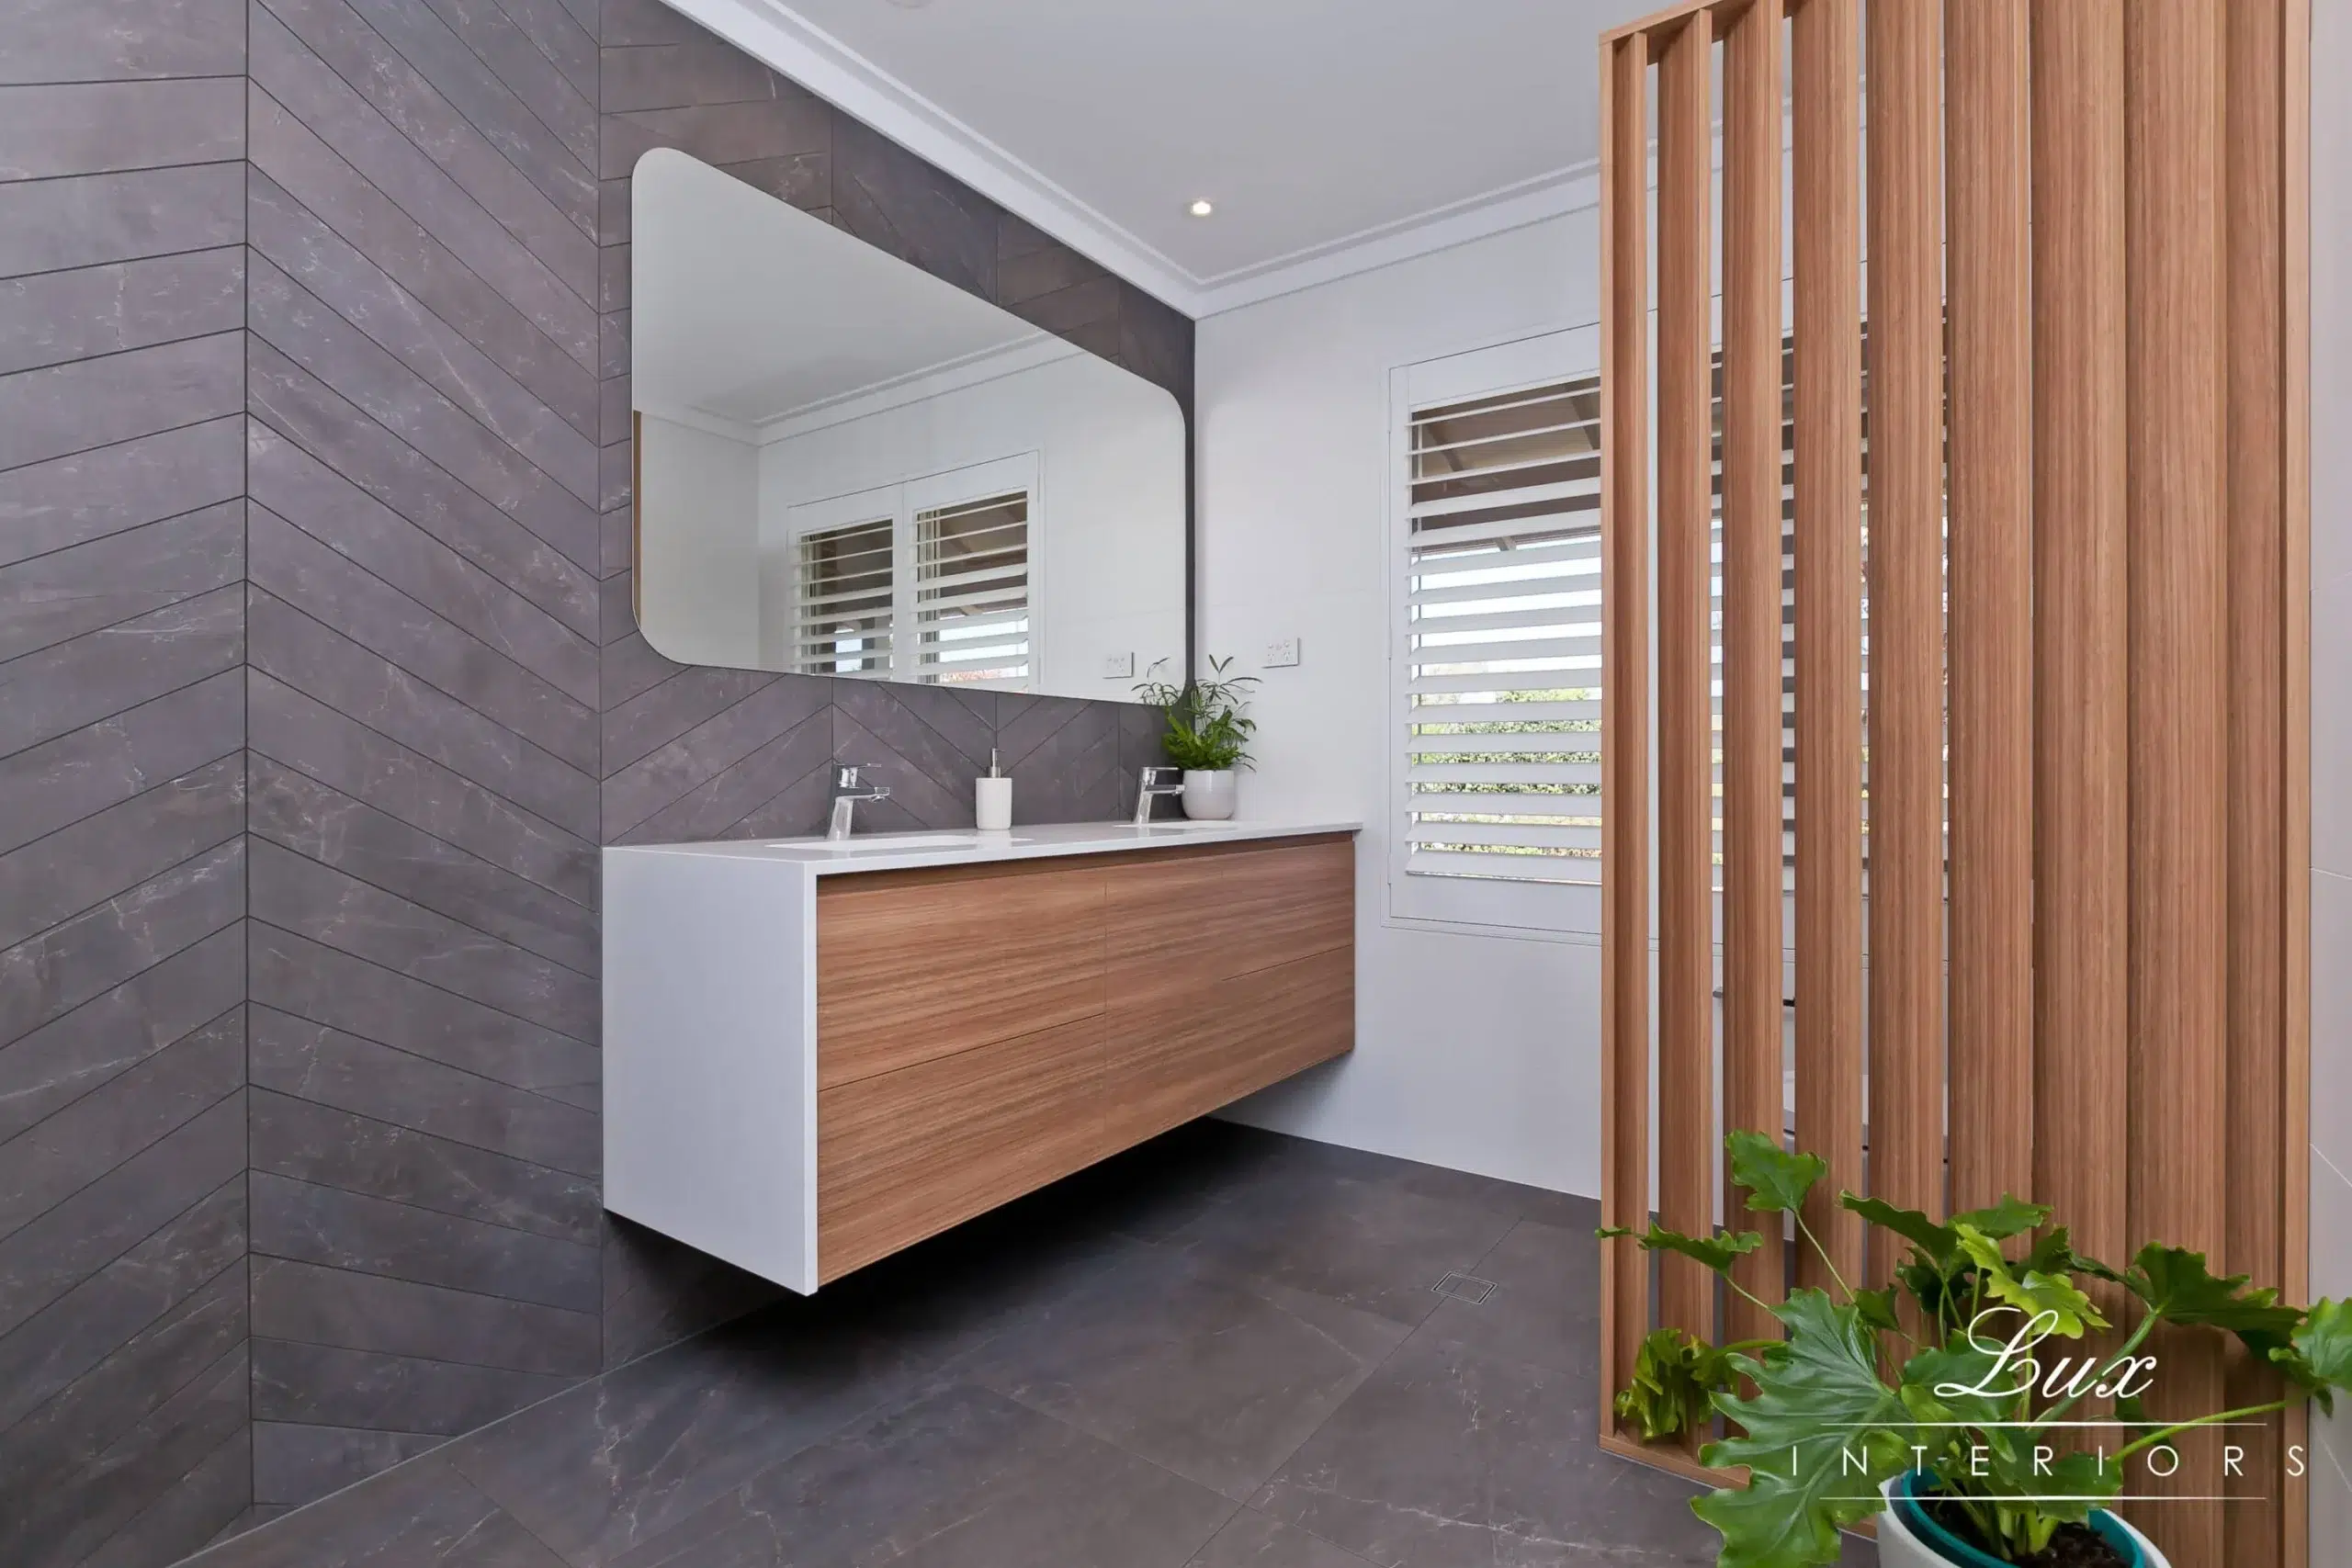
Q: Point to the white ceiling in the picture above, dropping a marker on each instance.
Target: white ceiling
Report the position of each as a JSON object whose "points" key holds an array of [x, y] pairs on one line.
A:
{"points": [[747, 312], [1330, 135]]}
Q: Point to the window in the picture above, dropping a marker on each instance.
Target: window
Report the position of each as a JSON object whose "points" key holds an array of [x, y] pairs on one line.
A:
{"points": [[1498, 664], [927, 581]]}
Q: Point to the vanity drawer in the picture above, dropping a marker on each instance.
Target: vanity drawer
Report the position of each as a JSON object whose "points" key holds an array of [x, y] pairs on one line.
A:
{"points": [[904, 1154], [916, 965], [1171, 1060], [1184, 924]]}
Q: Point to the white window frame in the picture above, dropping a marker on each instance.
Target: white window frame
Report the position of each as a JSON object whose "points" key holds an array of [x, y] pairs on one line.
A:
{"points": [[902, 503], [1562, 911]]}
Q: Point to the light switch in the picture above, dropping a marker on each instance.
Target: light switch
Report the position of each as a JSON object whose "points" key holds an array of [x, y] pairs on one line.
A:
{"points": [[1281, 654], [1118, 666]]}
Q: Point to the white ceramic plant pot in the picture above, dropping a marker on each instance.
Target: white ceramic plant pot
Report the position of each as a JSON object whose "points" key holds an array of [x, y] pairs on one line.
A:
{"points": [[1208, 794], [1899, 1547]]}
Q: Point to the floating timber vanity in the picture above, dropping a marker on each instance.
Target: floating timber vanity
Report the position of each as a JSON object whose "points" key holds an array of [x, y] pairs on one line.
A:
{"points": [[818, 1053]]}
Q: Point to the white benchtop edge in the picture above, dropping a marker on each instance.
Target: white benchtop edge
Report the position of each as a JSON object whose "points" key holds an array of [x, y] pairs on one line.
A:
{"points": [[1043, 841]]}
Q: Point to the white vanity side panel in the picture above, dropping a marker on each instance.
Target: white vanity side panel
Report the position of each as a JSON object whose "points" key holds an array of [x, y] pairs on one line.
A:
{"points": [[710, 1065]]}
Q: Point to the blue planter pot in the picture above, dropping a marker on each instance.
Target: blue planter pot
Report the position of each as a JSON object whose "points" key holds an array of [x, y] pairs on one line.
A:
{"points": [[1907, 1535]]}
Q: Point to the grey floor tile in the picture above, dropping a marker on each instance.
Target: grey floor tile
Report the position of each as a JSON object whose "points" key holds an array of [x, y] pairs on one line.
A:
{"points": [[1544, 1307], [964, 1478], [1367, 1244], [1447, 1459], [423, 1515], [1252, 1539], [1217, 1376]]}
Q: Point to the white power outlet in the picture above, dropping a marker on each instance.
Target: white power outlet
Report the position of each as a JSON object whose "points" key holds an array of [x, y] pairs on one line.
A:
{"points": [[1118, 666], [1281, 654]]}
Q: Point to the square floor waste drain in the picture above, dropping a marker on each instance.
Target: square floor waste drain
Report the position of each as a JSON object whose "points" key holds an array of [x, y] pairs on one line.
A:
{"points": [[1465, 1288]]}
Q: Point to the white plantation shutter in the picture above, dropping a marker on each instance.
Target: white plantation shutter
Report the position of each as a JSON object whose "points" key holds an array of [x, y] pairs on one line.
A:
{"points": [[843, 594], [1499, 657], [972, 591]]}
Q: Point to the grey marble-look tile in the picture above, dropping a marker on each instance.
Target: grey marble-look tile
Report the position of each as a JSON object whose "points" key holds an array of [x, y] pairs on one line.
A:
{"points": [[298, 570], [57, 1157], [318, 1305], [1371, 1246], [423, 1515], [56, 1370], [299, 894], [190, 1512], [308, 736], [329, 1386], [1250, 1539], [49, 318], [93, 127], [360, 1154], [68, 1523], [656, 1292], [798, 810], [109, 1035], [629, 665], [297, 487], [962, 1477], [286, 152], [112, 851], [47, 976], [312, 1061], [114, 578], [46, 225], [62, 781], [68, 407], [79, 1407], [1156, 343], [301, 652], [718, 133], [673, 75], [66, 501], [918, 797], [699, 756], [105, 40], [337, 1229], [893, 200], [103, 672], [1215, 1376], [314, 417], [636, 726], [382, 153], [307, 817], [1448, 1457], [632, 22], [1545, 1308], [567, 39], [295, 1463]]}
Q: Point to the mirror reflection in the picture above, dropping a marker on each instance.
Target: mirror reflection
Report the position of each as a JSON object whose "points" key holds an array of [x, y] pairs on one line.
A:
{"points": [[848, 467]]}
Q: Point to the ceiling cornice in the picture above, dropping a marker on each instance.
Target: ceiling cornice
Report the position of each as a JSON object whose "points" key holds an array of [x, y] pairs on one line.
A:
{"points": [[783, 39]]}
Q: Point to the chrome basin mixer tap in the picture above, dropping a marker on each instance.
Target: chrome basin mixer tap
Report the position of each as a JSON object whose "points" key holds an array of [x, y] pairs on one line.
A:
{"points": [[1149, 789], [847, 792]]}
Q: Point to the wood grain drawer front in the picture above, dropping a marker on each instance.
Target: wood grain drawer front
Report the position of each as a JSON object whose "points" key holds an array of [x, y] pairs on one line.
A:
{"points": [[909, 971], [905, 1155], [1170, 1061], [1179, 925]]}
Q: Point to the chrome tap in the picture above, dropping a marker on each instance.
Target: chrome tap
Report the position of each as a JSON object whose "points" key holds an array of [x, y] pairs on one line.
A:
{"points": [[847, 793], [1149, 789]]}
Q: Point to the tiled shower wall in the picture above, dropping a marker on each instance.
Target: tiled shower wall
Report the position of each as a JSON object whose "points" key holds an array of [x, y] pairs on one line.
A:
{"points": [[307, 788], [123, 1435]]}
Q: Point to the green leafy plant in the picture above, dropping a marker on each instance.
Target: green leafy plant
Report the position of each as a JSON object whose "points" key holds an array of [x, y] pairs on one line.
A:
{"points": [[1206, 729], [1964, 1383]]}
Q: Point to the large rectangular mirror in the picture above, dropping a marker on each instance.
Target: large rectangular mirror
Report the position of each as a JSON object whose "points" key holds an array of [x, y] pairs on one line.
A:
{"points": [[847, 466]]}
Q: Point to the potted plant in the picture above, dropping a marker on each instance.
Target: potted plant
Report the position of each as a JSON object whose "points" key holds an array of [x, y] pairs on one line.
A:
{"points": [[1207, 735], [1949, 1404]]}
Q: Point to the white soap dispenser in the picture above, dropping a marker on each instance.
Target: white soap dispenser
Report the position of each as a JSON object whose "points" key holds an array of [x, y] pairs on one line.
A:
{"points": [[992, 799]]}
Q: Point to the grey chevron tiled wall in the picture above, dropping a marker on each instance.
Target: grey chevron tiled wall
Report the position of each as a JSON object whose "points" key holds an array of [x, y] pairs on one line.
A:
{"points": [[318, 692]]}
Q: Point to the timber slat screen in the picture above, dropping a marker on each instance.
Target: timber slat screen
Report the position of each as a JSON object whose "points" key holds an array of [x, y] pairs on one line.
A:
{"points": [[2045, 920]]}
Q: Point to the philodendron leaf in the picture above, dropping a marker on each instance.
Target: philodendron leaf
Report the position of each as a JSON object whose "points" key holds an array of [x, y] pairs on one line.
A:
{"points": [[1716, 1252], [2177, 1286], [1776, 1180], [2319, 1358], [1818, 1400], [2010, 1216], [2032, 1292], [1876, 1309], [1936, 1241], [1961, 1381], [1675, 1376]]}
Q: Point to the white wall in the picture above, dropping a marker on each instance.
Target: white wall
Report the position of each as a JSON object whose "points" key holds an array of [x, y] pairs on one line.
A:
{"points": [[1110, 562], [2331, 444], [701, 511], [1502, 1075]]}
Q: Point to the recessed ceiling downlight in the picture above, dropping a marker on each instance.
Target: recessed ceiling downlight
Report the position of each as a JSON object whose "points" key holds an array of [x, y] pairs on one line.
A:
{"points": [[1201, 208]]}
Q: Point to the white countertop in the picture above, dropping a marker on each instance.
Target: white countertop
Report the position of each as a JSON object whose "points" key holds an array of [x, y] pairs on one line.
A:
{"points": [[969, 846]]}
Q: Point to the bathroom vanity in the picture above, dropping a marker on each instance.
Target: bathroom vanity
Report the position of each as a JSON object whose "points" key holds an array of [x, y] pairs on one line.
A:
{"points": [[817, 1054]]}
